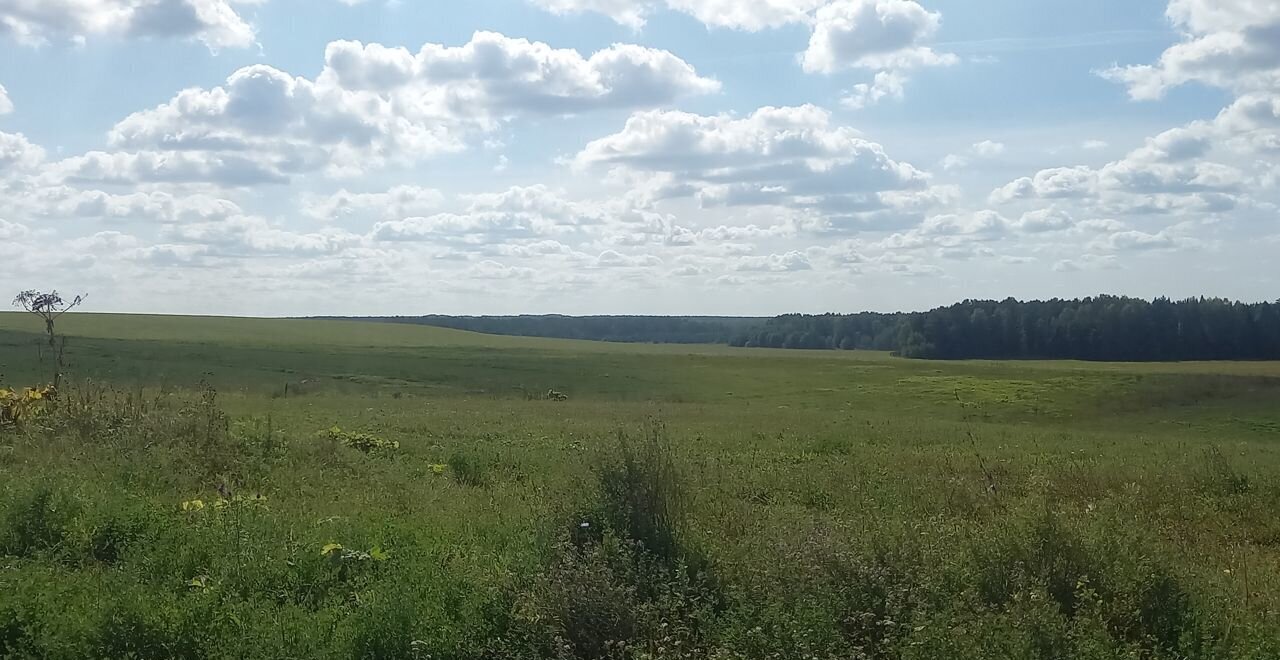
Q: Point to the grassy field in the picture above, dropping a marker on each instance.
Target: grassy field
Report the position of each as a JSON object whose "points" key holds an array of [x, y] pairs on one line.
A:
{"points": [[682, 502]]}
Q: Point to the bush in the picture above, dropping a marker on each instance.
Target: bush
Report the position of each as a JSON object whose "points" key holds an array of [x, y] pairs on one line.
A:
{"points": [[468, 469], [362, 442], [612, 600], [640, 496]]}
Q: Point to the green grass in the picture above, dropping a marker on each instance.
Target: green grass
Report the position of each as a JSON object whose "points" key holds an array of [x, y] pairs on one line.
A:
{"points": [[809, 504]]}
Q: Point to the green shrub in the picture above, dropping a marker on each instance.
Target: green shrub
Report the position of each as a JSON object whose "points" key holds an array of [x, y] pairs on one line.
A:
{"points": [[611, 599], [362, 442], [468, 469], [35, 523], [640, 496]]}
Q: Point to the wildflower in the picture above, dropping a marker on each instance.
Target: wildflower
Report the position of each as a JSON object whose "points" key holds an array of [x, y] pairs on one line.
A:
{"points": [[193, 505]]}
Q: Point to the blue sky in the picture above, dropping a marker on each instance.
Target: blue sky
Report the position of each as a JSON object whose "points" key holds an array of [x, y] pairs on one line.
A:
{"points": [[636, 156]]}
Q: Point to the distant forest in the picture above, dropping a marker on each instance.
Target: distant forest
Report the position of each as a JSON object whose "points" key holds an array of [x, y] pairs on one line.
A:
{"points": [[1101, 328], [638, 329], [1098, 328]]}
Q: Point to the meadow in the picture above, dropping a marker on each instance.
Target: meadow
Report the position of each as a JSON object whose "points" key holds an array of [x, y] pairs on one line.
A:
{"points": [[248, 488]]}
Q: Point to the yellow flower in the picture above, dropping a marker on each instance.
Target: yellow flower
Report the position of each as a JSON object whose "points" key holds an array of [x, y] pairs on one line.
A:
{"points": [[192, 505]]}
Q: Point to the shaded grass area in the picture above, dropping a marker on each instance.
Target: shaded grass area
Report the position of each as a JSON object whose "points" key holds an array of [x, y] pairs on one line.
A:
{"points": [[680, 504]]}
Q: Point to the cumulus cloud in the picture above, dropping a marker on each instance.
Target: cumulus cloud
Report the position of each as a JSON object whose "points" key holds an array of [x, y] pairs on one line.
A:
{"points": [[873, 34], [12, 231], [6, 105], [883, 35], [775, 263], [17, 154], [526, 218], [615, 259], [1203, 165], [987, 148], [783, 157], [1044, 220], [153, 206], [496, 75], [885, 85], [1234, 44], [212, 22], [983, 149], [734, 14], [132, 168], [398, 202], [372, 104], [1138, 241], [244, 235], [982, 223], [471, 227]]}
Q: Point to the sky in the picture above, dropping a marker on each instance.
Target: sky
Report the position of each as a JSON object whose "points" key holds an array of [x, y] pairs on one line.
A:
{"points": [[707, 157]]}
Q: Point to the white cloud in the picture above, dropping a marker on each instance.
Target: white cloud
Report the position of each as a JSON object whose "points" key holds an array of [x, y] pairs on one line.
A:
{"points": [[954, 161], [473, 227], [886, 85], [166, 254], [213, 22], [1138, 241], [500, 76], [983, 149], [775, 263], [374, 104], [1234, 44], [981, 223], [17, 154], [614, 259], [244, 235], [781, 157], [6, 105], [1048, 184], [130, 168], [752, 16], [12, 231], [1046, 219], [987, 148], [1204, 165], [153, 206], [873, 34], [1093, 145], [398, 202]]}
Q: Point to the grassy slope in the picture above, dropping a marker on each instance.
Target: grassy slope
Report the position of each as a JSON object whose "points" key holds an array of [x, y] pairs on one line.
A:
{"points": [[781, 448]]}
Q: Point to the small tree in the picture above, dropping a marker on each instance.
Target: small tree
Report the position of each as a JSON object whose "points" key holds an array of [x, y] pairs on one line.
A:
{"points": [[49, 306]]}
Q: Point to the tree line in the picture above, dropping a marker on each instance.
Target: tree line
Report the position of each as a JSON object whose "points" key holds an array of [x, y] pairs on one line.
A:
{"points": [[642, 329], [1096, 328]]}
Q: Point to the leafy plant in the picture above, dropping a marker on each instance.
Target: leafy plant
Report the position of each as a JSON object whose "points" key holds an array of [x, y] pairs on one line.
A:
{"points": [[20, 407], [363, 442]]}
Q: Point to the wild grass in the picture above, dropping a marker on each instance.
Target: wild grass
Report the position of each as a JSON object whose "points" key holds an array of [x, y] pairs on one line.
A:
{"points": [[680, 504]]}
